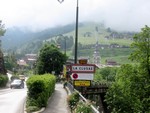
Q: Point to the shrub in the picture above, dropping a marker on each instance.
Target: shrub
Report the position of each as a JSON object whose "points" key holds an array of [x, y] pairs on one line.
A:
{"points": [[40, 88], [31, 102], [83, 108], [31, 109], [73, 99], [3, 80]]}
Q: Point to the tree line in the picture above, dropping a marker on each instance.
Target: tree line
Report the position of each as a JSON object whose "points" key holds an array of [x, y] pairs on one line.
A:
{"points": [[129, 93]]}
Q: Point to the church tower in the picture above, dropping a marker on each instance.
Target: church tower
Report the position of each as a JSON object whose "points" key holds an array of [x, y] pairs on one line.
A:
{"points": [[96, 54]]}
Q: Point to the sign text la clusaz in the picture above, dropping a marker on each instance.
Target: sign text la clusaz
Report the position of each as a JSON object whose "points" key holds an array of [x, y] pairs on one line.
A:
{"points": [[83, 68]]}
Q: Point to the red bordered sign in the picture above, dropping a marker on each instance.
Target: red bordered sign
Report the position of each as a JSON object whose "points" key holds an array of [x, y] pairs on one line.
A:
{"points": [[75, 75], [83, 68]]}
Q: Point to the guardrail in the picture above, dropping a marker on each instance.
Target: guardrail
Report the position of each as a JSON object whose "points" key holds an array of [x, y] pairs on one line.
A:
{"points": [[71, 88]]}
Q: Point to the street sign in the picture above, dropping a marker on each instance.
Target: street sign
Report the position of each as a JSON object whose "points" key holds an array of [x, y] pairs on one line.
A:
{"points": [[82, 68], [82, 76], [75, 76], [82, 83], [83, 61]]}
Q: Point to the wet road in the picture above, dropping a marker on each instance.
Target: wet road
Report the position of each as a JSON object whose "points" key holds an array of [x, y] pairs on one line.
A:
{"points": [[12, 100]]}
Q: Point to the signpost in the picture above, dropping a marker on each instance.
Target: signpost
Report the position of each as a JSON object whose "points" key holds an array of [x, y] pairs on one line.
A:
{"points": [[82, 74], [75, 76], [83, 61], [86, 83], [85, 68]]}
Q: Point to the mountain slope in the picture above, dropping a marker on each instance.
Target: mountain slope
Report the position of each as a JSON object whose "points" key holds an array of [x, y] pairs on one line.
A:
{"points": [[25, 42], [16, 38]]}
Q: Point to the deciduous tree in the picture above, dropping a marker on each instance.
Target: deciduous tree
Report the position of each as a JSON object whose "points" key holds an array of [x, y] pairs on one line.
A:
{"points": [[130, 92], [50, 59], [2, 29], [2, 67]]}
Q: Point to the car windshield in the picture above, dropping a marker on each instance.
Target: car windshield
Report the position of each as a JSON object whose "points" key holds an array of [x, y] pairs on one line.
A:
{"points": [[17, 81]]}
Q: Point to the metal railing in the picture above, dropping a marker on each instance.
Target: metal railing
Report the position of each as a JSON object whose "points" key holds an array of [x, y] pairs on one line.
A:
{"points": [[70, 86]]}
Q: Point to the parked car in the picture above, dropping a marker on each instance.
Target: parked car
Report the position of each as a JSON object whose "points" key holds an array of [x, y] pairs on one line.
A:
{"points": [[17, 83]]}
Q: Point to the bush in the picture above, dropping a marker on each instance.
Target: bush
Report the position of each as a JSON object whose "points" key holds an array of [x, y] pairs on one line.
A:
{"points": [[31, 102], [31, 109], [77, 106], [40, 88], [83, 108], [73, 99], [3, 80]]}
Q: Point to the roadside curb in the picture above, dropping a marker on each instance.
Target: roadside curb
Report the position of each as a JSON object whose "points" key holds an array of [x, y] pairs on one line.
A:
{"points": [[39, 110]]}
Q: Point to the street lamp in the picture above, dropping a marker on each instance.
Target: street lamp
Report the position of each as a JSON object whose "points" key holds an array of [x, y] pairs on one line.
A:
{"points": [[76, 32], [65, 44]]}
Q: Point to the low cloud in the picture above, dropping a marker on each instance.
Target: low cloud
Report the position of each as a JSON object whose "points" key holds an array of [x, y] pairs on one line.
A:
{"points": [[129, 15]]}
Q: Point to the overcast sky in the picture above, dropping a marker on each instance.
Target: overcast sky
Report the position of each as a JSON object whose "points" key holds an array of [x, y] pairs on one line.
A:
{"points": [[40, 14]]}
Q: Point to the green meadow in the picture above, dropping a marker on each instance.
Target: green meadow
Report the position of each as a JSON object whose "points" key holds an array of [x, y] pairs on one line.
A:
{"points": [[120, 55]]}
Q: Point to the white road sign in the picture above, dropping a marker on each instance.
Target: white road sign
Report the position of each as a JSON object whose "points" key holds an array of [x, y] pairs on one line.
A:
{"points": [[82, 76], [83, 68]]}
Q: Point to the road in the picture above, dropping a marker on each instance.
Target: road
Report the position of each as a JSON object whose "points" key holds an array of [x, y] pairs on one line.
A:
{"points": [[12, 100]]}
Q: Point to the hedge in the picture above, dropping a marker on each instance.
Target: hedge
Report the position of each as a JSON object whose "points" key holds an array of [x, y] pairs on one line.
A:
{"points": [[3, 80], [40, 88]]}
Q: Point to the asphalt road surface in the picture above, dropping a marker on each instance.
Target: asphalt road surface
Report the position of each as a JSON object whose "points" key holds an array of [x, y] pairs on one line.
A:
{"points": [[12, 100]]}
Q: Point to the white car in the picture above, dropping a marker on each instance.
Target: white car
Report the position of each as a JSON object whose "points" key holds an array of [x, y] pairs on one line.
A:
{"points": [[17, 83]]}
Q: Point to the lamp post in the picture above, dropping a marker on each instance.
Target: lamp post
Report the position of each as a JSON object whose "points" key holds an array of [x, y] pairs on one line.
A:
{"points": [[65, 44], [76, 32]]}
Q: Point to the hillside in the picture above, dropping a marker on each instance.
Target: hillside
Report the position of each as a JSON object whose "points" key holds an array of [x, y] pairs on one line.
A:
{"points": [[113, 45], [24, 41], [91, 32], [20, 38]]}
